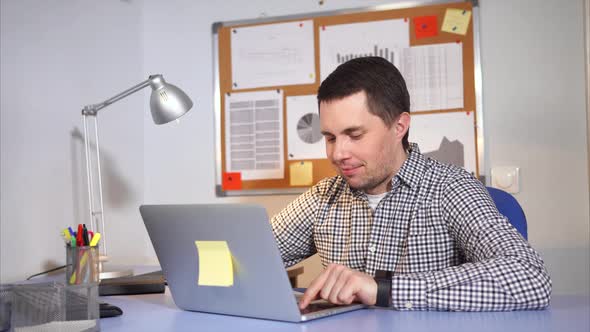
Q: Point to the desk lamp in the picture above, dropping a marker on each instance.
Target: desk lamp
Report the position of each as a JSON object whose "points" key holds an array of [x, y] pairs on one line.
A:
{"points": [[167, 103]]}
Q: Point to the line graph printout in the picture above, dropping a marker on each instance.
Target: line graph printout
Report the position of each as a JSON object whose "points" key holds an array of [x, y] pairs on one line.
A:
{"points": [[446, 137], [273, 55], [304, 137], [254, 134], [343, 42], [434, 76]]}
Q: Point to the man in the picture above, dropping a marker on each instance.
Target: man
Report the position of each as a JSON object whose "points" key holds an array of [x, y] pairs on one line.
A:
{"points": [[397, 229]]}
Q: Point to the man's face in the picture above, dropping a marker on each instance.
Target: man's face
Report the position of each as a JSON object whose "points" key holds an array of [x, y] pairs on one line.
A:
{"points": [[359, 144]]}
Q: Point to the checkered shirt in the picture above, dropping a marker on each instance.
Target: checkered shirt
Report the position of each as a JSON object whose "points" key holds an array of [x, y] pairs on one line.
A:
{"points": [[437, 229]]}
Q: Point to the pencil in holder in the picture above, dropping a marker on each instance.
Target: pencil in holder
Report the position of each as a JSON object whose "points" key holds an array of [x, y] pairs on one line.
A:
{"points": [[82, 265]]}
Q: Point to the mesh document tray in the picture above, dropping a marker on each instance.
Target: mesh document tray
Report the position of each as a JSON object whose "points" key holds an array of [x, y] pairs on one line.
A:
{"points": [[51, 305]]}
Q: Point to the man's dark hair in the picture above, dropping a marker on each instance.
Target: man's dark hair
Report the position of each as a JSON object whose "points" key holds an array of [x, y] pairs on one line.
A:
{"points": [[387, 94]]}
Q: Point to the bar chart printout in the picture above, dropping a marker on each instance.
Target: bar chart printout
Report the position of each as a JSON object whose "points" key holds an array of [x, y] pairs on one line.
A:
{"points": [[383, 52], [386, 38]]}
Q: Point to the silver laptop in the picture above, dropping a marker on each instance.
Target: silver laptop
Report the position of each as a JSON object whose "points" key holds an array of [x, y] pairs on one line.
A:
{"points": [[261, 287]]}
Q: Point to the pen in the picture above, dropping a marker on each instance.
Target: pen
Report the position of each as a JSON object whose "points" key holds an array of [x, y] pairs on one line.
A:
{"points": [[79, 236], [65, 234], [82, 267], [73, 278], [72, 233], [85, 235], [95, 239]]}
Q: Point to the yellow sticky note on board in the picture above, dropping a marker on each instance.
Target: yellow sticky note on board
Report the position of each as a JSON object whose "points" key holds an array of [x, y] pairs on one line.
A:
{"points": [[301, 173], [215, 264], [456, 21]]}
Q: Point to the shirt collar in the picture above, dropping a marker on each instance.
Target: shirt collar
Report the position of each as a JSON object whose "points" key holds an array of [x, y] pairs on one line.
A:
{"points": [[412, 169]]}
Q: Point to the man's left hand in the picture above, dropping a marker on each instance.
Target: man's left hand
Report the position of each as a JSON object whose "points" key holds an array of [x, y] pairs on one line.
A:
{"points": [[340, 285]]}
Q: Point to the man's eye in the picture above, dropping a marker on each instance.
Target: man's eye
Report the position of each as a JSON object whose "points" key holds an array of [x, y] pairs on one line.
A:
{"points": [[330, 139], [356, 137]]}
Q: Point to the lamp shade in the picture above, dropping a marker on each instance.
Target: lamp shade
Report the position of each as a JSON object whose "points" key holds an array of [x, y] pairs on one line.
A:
{"points": [[167, 102]]}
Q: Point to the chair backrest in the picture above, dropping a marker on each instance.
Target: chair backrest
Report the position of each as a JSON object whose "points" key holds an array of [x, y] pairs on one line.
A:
{"points": [[509, 207]]}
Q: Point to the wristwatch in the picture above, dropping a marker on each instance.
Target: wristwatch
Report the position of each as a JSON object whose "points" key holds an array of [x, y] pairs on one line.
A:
{"points": [[383, 280]]}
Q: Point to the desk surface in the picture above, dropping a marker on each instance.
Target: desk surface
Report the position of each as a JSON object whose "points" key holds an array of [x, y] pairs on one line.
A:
{"points": [[157, 312]]}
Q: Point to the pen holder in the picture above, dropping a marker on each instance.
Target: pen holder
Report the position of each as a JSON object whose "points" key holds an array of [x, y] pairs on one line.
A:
{"points": [[82, 265]]}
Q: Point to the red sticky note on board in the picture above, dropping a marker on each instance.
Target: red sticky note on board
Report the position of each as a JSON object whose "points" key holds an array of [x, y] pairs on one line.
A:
{"points": [[425, 26], [231, 181]]}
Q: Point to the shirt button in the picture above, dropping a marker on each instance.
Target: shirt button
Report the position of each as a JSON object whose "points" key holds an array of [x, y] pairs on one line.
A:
{"points": [[409, 305], [372, 248]]}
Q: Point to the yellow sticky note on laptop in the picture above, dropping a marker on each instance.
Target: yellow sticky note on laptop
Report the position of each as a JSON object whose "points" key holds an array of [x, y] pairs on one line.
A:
{"points": [[456, 21], [215, 264], [301, 173]]}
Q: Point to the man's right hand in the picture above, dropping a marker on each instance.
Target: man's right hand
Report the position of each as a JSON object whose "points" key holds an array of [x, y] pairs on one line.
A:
{"points": [[339, 284]]}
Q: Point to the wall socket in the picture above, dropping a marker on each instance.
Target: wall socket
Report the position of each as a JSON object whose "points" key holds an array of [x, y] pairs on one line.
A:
{"points": [[506, 178]]}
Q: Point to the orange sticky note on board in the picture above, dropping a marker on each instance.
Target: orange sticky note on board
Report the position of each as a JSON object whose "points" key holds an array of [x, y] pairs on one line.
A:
{"points": [[215, 264], [231, 181], [425, 26]]}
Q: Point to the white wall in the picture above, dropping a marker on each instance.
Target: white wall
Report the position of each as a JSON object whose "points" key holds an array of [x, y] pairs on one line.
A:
{"points": [[56, 57], [534, 116]]}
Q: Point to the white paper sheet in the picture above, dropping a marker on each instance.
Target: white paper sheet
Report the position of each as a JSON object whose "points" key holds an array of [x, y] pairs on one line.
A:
{"points": [[254, 134], [273, 55], [434, 76], [304, 137], [340, 43], [60, 326], [447, 137]]}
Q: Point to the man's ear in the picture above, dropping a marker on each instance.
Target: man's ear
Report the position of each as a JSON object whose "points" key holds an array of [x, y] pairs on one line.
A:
{"points": [[402, 125]]}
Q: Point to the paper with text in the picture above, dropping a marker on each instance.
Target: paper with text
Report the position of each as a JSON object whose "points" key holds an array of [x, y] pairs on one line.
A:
{"points": [[434, 76], [343, 42], [254, 134], [273, 55]]}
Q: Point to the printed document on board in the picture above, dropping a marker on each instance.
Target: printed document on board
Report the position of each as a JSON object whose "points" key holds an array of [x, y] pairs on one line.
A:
{"points": [[254, 134], [273, 55]]}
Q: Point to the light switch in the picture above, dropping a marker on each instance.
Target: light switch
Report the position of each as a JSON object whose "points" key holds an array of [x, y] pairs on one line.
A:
{"points": [[506, 178]]}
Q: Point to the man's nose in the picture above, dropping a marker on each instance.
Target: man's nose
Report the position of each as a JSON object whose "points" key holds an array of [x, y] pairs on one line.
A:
{"points": [[340, 150]]}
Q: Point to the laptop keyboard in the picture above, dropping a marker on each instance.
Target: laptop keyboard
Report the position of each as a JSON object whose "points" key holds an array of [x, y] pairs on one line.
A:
{"points": [[317, 306]]}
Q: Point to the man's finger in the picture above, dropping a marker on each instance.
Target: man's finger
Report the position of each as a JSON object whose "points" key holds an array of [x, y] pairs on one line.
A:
{"points": [[313, 289], [347, 293], [335, 274], [335, 290]]}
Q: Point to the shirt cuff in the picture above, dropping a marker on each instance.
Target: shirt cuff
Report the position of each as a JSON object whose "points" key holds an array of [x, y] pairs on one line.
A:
{"points": [[408, 293]]}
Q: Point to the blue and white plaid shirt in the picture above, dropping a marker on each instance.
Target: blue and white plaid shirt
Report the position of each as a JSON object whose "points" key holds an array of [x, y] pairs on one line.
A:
{"points": [[437, 229]]}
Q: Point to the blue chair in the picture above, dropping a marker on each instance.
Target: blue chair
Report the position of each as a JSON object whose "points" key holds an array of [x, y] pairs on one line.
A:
{"points": [[509, 207]]}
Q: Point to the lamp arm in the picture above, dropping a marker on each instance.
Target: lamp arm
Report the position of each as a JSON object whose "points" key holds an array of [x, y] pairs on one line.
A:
{"points": [[92, 111], [94, 108]]}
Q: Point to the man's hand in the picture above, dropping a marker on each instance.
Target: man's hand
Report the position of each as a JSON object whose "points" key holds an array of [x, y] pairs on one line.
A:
{"points": [[341, 285]]}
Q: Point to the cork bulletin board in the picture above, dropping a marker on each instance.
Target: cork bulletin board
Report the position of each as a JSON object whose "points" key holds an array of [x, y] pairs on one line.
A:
{"points": [[267, 72]]}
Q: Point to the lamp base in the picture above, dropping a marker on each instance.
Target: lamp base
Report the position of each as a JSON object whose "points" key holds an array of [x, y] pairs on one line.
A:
{"points": [[110, 272], [147, 283]]}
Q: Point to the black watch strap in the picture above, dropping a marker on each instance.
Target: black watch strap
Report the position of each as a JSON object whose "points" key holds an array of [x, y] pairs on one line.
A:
{"points": [[383, 279]]}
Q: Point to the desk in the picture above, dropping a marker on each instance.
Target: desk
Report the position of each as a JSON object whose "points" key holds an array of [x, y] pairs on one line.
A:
{"points": [[157, 312]]}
